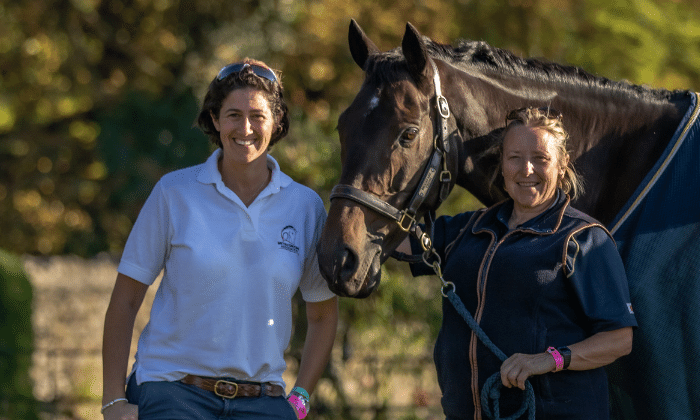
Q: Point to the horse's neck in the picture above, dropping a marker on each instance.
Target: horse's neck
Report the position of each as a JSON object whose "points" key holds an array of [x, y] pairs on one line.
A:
{"points": [[615, 138], [615, 147]]}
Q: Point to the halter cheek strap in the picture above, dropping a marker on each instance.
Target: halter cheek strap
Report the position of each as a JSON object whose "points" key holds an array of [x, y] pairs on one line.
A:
{"points": [[435, 170], [442, 107]]}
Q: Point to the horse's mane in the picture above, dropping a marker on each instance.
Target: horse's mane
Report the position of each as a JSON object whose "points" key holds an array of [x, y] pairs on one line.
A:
{"points": [[390, 66]]}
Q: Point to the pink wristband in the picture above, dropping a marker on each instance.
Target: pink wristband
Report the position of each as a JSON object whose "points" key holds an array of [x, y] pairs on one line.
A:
{"points": [[299, 405], [558, 359]]}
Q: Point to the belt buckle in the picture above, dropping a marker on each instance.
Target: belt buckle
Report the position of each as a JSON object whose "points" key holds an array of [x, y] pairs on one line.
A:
{"points": [[222, 382]]}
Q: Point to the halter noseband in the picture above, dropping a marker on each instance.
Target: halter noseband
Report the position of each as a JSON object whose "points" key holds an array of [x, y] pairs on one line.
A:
{"points": [[406, 218]]}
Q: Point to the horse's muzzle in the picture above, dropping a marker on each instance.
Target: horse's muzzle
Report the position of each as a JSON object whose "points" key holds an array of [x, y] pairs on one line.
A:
{"points": [[347, 274]]}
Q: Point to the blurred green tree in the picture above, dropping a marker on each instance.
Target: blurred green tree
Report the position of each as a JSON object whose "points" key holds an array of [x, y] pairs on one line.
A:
{"points": [[66, 66], [16, 341], [98, 98]]}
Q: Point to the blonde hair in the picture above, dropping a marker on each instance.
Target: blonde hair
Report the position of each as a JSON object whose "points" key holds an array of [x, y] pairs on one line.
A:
{"points": [[549, 120]]}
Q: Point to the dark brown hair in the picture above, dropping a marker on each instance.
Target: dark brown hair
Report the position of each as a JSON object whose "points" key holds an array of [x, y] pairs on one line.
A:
{"points": [[246, 78]]}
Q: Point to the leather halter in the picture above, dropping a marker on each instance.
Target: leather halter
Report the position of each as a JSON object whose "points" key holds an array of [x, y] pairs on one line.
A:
{"points": [[437, 168]]}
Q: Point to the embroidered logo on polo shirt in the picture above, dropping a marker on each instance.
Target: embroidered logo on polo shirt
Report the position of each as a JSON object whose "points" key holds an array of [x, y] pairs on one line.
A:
{"points": [[289, 239], [629, 308]]}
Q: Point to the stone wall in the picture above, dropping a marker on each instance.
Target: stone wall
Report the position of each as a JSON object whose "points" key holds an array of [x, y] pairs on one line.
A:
{"points": [[71, 295]]}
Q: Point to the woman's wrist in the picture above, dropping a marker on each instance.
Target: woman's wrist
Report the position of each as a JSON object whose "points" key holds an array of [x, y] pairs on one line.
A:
{"points": [[301, 391], [558, 359], [111, 403], [299, 399], [299, 406], [566, 354]]}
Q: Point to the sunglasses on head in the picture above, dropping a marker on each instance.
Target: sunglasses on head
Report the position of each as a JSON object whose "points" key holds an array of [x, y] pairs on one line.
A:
{"points": [[548, 112], [260, 71]]}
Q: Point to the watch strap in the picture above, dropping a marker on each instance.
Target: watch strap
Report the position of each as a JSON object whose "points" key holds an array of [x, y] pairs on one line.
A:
{"points": [[566, 354], [558, 359]]}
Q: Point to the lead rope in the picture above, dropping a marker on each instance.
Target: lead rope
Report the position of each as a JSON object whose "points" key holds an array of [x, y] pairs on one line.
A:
{"points": [[492, 388]]}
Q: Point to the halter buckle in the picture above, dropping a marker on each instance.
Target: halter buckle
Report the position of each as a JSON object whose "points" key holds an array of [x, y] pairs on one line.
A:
{"points": [[425, 242], [443, 107], [411, 221], [445, 176]]}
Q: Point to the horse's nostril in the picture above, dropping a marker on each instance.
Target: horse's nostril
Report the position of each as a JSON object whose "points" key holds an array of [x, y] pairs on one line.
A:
{"points": [[347, 265]]}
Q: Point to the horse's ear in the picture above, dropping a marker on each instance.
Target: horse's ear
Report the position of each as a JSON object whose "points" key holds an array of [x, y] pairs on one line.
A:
{"points": [[361, 47], [415, 51]]}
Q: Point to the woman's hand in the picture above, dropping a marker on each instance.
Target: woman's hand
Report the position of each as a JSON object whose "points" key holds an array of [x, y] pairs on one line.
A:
{"points": [[122, 411], [518, 367], [596, 351]]}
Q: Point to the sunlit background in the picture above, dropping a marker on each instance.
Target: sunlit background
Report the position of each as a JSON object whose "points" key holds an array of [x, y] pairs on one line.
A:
{"points": [[98, 100]]}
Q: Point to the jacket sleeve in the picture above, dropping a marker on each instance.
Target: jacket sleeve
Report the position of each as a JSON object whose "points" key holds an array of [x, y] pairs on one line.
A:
{"points": [[597, 276]]}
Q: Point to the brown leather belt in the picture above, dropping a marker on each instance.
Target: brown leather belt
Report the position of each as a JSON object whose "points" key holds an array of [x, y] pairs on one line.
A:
{"points": [[232, 389]]}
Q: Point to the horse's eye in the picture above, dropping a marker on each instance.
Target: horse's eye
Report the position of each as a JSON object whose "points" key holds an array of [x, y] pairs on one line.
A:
{"points": [[408, 135]]}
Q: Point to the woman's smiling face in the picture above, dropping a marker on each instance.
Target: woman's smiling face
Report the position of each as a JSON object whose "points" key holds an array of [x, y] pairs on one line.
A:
{"points": [[532, 168], [245, 124]]}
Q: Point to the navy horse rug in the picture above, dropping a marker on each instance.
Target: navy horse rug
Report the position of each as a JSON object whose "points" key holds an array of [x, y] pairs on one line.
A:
{"points": [[658, 235]]}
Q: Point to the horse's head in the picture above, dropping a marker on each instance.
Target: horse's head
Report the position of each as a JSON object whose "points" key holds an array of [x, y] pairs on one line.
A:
{"points": [[391, 169]]}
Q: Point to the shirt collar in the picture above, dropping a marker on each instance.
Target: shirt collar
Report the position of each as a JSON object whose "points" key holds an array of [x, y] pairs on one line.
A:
{"points": [[209, 172]]}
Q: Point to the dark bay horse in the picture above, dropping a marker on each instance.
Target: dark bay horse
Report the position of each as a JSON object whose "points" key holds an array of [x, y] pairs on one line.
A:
{"points": [[390, 133]]}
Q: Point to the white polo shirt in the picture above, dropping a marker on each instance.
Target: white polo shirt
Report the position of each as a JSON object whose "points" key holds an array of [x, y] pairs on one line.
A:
{"points": [[223, 308]]}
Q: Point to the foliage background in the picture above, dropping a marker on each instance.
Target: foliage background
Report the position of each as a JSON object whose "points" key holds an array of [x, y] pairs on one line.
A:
{"points": [[98, 100]]}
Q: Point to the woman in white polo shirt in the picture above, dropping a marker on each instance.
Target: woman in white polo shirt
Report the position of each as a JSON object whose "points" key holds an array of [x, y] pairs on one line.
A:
{"points": [[235, 238]]}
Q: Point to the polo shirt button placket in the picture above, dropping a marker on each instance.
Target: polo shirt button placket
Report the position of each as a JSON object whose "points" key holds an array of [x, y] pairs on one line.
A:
{"points": [[250, 220]]}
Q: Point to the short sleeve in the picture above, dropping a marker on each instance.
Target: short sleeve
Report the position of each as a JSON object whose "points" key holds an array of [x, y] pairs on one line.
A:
{"points": [[596, 272], [149, 241], [313, 286]]}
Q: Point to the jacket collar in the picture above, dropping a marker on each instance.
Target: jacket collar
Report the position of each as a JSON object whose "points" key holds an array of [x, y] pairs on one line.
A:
{"points": [[496, 217]]}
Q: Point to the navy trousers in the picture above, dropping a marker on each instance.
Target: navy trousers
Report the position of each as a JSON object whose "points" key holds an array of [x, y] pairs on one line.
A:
{"points": [[178, 401]]}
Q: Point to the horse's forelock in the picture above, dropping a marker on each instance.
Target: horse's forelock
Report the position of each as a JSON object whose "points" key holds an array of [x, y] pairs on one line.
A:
{"points": [[386, 67]]}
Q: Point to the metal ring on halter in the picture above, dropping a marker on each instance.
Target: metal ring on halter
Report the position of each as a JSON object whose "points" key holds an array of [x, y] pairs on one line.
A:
{"points": [[445, 285], [426, 243], [438, 271], [427, 254]]}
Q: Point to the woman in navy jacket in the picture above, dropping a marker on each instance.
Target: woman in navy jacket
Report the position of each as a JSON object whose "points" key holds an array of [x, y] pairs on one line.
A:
{"points": [[544, 281]]}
